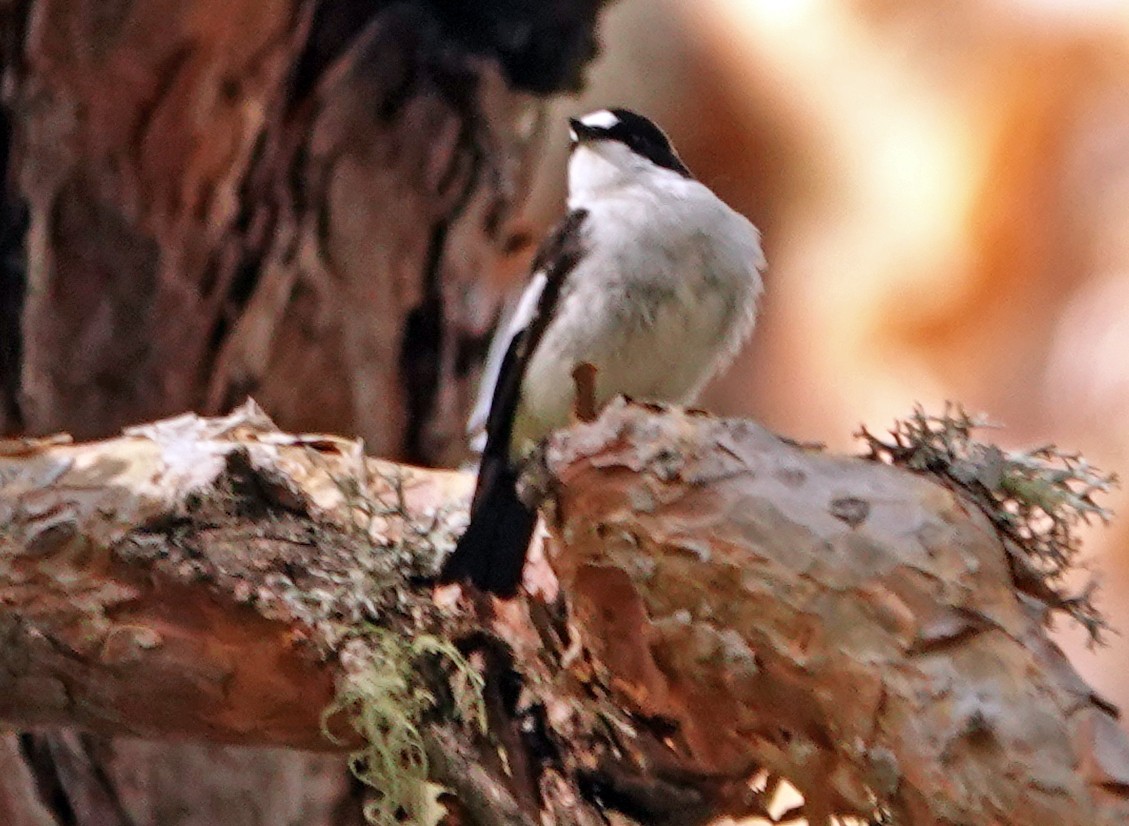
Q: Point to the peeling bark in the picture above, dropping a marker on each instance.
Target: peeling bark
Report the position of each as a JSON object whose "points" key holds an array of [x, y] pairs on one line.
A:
{"points": [[225, 199], [851, 626], [110, 625], [299, 198], [728, 615], [211, 580]]}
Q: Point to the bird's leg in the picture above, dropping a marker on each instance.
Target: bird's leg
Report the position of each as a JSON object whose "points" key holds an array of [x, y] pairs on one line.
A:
{"points": [[584, 403]]}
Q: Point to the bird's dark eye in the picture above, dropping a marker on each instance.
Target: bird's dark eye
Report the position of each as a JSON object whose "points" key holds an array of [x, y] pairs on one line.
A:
{"points": [[634, 131]]}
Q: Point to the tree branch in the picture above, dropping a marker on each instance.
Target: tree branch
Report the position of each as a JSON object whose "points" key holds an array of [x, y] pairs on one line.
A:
{"points": [[852, 626], [167, 583], [737, 605]]}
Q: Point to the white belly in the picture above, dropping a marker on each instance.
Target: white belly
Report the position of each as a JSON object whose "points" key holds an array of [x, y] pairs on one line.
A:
{"points": [[661, 303], [664, 356]]}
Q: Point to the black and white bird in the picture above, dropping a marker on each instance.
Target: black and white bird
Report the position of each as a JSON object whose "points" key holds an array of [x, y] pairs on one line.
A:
{"points": [[650, 278]]}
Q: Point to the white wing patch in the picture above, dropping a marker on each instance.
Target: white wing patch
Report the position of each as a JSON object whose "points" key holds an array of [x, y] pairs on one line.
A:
{"points": [[522, 315]]}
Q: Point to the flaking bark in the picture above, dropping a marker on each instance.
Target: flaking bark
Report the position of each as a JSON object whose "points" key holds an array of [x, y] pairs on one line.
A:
{"points": [[737, 605], [849, 625], [308, 200]]}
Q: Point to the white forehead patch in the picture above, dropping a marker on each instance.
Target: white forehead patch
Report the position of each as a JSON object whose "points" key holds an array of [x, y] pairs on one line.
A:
{"points": [[601, 119]]}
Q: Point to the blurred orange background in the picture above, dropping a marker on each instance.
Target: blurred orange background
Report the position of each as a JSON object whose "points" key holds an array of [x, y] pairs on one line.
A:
{"points": [[943, 190]]}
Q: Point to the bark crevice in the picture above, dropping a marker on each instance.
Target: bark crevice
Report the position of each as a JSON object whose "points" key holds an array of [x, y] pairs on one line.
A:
{"points": [[218, 579]]}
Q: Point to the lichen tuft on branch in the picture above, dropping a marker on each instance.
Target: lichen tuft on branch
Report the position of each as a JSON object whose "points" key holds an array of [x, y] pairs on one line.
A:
{"points": [[1037, 498]]}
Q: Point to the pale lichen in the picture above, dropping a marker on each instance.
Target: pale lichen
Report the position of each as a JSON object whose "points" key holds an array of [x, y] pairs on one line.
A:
{"points": [[385, 698], [391, 676], [1038, 498]]}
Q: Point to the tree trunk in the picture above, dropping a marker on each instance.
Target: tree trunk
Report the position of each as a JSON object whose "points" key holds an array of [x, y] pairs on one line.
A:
{"points": [[294, 199]]}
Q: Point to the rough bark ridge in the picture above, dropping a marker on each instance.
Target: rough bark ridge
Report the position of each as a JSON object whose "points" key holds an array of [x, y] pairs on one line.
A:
{"points": [[849, 625], [294, 197], [225, 198], [222, 581], [739, 605]]}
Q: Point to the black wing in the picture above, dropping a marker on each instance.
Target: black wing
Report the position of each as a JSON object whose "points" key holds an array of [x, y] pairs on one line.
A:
{"points": [[491, 553]]}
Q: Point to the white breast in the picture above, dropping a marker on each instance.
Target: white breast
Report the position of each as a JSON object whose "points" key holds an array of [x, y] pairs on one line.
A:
{"points": [[662, 300]]}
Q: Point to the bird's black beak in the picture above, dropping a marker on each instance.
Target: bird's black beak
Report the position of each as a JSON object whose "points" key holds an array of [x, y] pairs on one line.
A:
{"points": [[581, 132]]}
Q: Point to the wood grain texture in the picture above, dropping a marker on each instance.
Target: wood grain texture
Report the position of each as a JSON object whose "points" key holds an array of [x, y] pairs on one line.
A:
{"points": [[847, 624], [218, 581], [299, 199], [736, 604], [292, 199]]}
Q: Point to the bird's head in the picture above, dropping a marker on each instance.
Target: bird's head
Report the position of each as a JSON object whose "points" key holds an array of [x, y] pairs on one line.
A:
{"points": [[615, 147]]}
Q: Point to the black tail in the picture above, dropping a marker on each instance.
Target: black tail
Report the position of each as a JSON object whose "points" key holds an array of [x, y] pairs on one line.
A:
{"points": [[491, 553]]}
